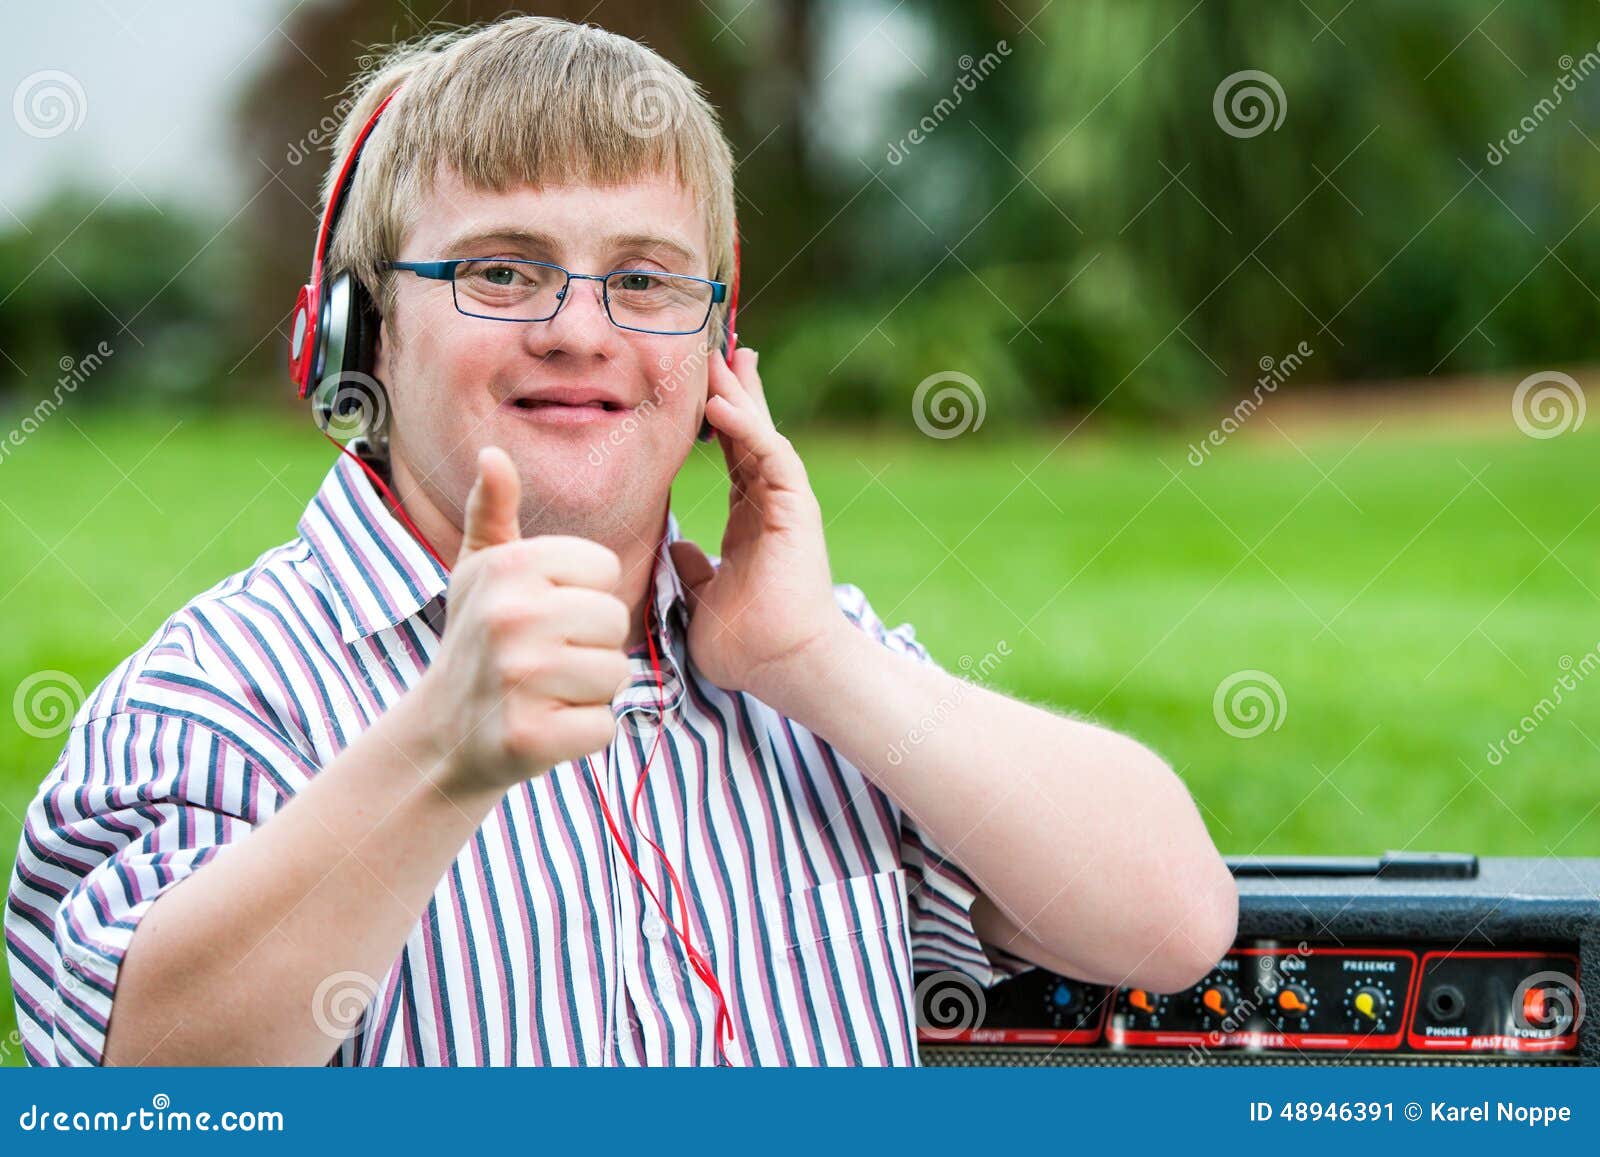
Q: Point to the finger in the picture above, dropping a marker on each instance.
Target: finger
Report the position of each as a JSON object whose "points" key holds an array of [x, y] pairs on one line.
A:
{"points": [[744, 369], [492, 516], [587, 617], [571, 561], [723, 382], [693, 567], [754, 449], [579, 677], [581, 730]]}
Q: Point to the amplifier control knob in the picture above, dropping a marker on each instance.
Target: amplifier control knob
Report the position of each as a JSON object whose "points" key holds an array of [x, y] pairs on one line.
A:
{"points": [[1370, 1003], [1218, 999], [1293, 1007]]}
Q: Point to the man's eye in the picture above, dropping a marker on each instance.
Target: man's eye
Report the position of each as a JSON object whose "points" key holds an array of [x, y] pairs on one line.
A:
{"points": [[637, 282], [502, 275]]}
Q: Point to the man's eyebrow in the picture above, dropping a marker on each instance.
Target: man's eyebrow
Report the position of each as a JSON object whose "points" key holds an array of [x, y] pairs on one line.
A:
{"points": [[480, 239], [652, 241]]}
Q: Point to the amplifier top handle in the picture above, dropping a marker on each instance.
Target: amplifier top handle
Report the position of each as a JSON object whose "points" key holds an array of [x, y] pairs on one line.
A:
{"points": [[1390, 866]]}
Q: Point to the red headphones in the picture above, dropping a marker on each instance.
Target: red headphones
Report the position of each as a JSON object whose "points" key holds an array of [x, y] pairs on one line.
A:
{"points": [[336, 324]]}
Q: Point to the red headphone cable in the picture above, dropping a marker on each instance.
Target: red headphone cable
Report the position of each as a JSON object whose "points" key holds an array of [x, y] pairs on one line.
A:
{"points": [[723, 1025]]}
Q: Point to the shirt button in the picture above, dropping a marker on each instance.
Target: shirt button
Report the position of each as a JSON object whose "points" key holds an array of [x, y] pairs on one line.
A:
{"points": [[654, 928]]}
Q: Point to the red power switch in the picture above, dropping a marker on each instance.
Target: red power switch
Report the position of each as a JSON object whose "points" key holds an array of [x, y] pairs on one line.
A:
{"points": [[1533, 1007]]}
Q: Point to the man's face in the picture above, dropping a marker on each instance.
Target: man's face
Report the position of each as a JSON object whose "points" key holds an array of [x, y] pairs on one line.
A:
{"points": [[458, 383]]}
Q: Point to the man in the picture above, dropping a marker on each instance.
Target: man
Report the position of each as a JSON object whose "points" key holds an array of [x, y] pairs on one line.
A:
{"points": [[398, 765]]}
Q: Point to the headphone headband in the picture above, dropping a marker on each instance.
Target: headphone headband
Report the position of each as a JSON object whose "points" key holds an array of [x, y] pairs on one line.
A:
{"points": [[308, 337]]}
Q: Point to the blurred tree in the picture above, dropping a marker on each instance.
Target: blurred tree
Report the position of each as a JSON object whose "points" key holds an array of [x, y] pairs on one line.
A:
{"points": [[141, 279], [1078, 226], [1116, 239]]}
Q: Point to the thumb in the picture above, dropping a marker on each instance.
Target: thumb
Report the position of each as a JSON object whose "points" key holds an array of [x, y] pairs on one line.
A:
{"points": [[694, 568], [493, 505]]}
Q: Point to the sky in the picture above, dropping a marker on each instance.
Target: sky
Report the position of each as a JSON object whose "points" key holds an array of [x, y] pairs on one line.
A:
{"points": [[128, 95], [134, 96]]}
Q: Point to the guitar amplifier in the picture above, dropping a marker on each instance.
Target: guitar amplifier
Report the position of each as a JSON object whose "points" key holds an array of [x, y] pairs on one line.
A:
{"points": [[1407, 959]]}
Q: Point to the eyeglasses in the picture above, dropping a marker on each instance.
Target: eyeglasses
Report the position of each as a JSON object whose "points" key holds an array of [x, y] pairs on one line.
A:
{"points": [[508, 289]]}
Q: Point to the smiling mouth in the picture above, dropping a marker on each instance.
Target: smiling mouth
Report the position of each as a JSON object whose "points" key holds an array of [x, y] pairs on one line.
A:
{"points": [[538, 403]]}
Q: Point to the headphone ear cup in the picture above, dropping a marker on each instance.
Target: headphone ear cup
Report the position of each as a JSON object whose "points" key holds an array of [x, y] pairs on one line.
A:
{"points": [[361, 350]]}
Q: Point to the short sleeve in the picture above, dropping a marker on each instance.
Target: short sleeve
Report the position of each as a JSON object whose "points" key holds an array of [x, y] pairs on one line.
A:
{"points": [[939, 891], [136, 802]]}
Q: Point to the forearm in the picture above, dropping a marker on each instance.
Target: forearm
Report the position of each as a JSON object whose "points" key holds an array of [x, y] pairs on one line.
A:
{"points": [[1083, 838], [224, 968]]}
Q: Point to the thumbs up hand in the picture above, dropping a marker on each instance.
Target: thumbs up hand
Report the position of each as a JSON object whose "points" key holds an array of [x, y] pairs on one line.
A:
{"points": [[533, 650]]}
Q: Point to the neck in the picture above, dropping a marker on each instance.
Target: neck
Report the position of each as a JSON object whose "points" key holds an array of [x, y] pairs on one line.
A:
{"points": [[635, 543]]}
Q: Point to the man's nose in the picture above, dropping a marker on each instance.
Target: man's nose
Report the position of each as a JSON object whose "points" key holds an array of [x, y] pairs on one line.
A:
{"points": [[580, 324]]}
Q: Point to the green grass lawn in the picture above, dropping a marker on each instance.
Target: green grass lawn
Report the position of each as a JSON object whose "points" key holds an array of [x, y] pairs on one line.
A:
{"points": [[1414, 597]]}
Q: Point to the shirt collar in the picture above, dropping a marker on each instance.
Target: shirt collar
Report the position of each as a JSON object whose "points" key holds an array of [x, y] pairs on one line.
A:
{"points": [[382, 576]]}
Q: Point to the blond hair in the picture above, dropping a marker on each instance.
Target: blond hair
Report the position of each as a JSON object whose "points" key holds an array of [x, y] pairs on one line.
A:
{"points": [[533, 100]]}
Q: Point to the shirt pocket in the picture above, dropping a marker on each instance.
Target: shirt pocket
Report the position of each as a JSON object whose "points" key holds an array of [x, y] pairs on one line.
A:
{"points": [[845, 955]]}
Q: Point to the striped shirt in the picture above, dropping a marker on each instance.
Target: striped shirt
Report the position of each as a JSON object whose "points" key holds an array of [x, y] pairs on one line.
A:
{"points": [[814, 897]]}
